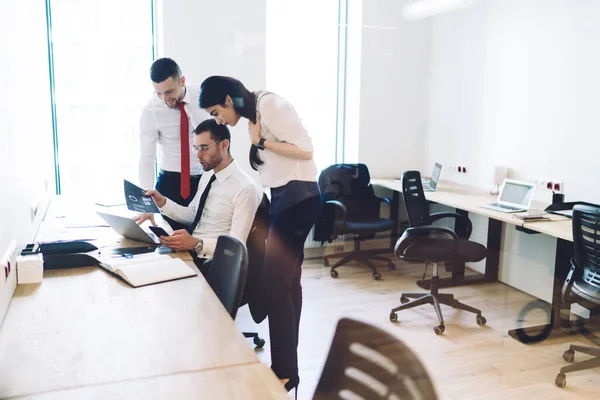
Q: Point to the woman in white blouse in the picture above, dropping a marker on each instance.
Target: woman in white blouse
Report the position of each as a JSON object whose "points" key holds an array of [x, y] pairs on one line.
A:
{"points": [[282, 153]]}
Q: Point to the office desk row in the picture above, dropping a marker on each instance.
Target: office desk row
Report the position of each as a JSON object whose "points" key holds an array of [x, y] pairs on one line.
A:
{"points": [[82, 333], [465, 199]]}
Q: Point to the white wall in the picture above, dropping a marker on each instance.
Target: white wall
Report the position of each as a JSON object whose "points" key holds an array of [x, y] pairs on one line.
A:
{"points": [[393, 89], [217, 38], [515, 83], [25, 119]]}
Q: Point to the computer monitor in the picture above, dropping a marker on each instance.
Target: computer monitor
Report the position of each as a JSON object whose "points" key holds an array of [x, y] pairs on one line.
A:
{"points": [[435, 175], [516, 193]]}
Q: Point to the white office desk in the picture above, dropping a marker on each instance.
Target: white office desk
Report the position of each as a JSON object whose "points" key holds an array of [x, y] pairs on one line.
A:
{"points": [[466, 199], [84, 331]]}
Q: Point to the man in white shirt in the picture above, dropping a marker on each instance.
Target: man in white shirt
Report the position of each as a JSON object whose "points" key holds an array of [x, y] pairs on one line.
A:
{"points": [[167, 123], [226, 200]]}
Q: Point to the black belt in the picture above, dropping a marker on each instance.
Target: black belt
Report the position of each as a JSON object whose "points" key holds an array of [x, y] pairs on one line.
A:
{"points": [[172, 173]]}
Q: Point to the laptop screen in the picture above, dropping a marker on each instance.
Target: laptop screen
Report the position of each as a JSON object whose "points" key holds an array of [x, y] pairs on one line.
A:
{"points": [[435, 174], [517, 193]]}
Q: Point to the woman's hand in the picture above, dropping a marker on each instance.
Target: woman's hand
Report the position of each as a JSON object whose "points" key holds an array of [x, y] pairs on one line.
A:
{"points": [[254, 130]]}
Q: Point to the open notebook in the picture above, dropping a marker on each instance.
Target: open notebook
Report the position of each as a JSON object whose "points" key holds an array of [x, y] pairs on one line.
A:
{"points": [[146, 269]]}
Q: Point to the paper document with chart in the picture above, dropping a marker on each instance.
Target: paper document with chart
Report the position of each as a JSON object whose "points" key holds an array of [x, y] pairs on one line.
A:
{"points": [[137, 200]]}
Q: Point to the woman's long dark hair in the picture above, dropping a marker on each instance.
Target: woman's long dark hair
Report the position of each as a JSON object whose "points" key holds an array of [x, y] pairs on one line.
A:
{"points": [[215, 89]]}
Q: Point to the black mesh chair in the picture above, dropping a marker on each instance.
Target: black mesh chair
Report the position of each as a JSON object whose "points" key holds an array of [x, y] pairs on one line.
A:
{"points": [[351, 208], [371, 364], [432, 244], [582, 285], [227, 274], [256, 245]]}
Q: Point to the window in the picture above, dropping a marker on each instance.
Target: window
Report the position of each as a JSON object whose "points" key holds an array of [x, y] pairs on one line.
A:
{"points": [[101, 52], [302, 66]]}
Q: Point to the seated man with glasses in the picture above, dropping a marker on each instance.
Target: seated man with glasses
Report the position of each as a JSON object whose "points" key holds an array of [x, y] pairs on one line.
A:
{"points": [[226, 201]]}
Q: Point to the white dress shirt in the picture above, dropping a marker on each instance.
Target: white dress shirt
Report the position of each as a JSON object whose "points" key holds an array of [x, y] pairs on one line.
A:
{"points": [[160, 125], [280, 122], [229, 209]]}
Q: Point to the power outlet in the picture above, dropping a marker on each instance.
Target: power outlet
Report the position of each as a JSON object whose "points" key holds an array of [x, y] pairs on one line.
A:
{"points": [[33, 210], [8, 277], [558, 187]]}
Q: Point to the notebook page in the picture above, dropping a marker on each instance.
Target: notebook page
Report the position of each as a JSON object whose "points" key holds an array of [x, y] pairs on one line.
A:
{"points": [[155, 271]]}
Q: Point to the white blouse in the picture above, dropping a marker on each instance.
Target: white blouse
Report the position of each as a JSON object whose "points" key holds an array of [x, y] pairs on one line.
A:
{"points": [[280, 123]]}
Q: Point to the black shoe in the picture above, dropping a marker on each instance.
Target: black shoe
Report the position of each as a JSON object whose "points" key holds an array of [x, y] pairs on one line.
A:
{"points": [[293, 384]]}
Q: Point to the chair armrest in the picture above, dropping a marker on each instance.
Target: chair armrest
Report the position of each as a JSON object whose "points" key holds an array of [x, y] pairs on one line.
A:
{"points": [[411, 235], [385, 200], [437, 216], [339, 215]]}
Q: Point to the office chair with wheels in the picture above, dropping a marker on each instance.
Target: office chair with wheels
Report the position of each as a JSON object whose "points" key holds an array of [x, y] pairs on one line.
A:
{"points": [[432, 244], [351, 208], [369, 363], [227, 274], [256, 245], [582, 285]]}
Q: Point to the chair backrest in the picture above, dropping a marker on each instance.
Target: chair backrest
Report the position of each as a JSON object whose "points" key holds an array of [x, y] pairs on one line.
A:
{"points": [[586, 239], [372, 364], [227, 273], [256, 245], [350, 184], [417, 208]]}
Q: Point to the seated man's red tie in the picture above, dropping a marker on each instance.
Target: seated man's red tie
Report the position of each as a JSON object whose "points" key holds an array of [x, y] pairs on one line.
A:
{"points": [[185, 152]]}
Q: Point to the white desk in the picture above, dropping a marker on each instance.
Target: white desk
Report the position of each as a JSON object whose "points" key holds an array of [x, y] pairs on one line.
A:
{"points": [[467, 199]]}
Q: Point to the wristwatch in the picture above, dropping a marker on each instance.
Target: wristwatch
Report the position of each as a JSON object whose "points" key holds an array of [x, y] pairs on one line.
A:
{"points": [[261, 143], [199, 247]]}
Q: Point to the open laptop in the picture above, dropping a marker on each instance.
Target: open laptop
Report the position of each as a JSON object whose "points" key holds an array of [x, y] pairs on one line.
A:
{"points": [[515, 196], [430, 185], [129, 229]]}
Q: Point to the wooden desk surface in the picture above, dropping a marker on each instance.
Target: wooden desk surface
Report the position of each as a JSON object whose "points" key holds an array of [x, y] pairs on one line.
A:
{"points": [[562, 229], [83, 327], [470, 199], [249, 382]]}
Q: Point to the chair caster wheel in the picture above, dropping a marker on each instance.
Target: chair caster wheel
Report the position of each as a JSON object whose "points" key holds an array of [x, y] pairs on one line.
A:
{"points": [[392, 266], [325, 262], [404, 300], [481, 320], [376, 276], [439, 329], [569, 356], [334, 273], [260, 343], [561, 380], [393, 317]]}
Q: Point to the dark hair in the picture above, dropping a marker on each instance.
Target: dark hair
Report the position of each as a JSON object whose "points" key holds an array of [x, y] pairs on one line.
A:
{"points": [[217, 132], [163, 69], [215, 89]]}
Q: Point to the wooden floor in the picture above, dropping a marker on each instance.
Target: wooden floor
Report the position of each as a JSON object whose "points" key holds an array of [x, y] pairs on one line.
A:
{"points": [[466, 362]]}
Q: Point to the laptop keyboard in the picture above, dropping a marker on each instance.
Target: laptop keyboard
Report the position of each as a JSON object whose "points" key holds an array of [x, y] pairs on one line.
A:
{"points": [[504, 206]]}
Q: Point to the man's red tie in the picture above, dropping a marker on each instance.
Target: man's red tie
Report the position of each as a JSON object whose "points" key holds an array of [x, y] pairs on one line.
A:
{"points": [[185, 152]]}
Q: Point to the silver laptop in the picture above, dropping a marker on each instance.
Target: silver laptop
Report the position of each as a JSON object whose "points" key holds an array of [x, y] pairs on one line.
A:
{"points": [[430, 185], [128, 228], [515, 196]]}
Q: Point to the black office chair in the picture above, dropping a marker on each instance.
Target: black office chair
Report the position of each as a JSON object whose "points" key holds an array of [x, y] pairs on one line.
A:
{"points": [[227, 273], [432, 244], [582, 285], [351, 207], [256, 245], [371, 364]]}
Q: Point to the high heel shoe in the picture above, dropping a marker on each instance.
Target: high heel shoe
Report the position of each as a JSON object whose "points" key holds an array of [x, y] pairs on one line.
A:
{"points": [[293, 384]]}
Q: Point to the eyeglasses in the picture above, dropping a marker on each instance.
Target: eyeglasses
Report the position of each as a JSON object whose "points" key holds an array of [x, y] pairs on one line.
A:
{"points": [[203, 148]]}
